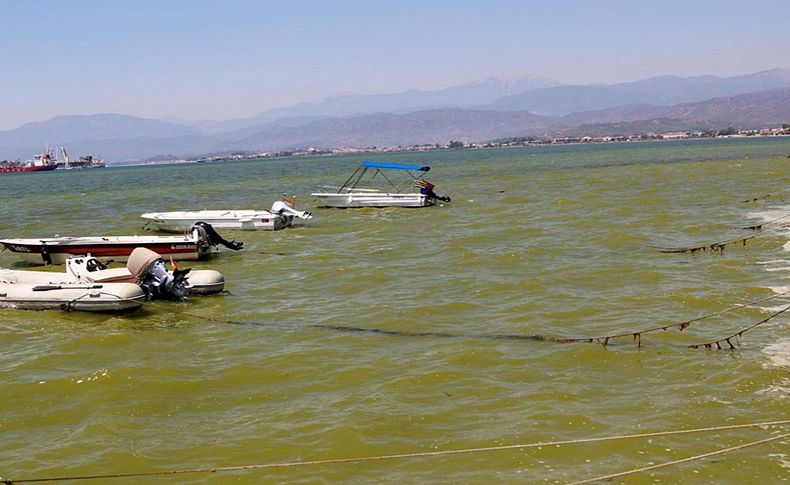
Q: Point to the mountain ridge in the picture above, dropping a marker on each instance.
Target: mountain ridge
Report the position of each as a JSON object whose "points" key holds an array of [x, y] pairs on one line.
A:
{"points": [[120, 137], [660, 90]]}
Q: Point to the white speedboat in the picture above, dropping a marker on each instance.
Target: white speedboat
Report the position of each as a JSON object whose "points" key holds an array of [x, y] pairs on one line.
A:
{"points": [[201, 240], [357, 192], [281, 215]]}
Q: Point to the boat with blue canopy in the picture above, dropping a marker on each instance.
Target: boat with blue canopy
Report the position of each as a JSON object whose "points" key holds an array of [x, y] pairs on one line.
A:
{"points": [[382, 184]]}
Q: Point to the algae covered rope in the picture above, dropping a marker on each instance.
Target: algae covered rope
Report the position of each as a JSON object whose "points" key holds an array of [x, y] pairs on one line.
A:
{"points": [[718, 247], [736, 336], [637, 335], [603, 340], [755, 199], [759, 227]]}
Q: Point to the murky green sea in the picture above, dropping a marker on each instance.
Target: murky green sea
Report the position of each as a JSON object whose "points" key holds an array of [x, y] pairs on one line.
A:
{"points": [[370, 332]]}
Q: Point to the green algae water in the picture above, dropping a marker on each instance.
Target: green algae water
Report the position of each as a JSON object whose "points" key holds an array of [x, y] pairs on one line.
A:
{"points": [[368, 332]]}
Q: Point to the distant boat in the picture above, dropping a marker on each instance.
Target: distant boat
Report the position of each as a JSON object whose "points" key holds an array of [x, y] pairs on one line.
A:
{"points": [[86, 161], [413, 191], [39, 163]]}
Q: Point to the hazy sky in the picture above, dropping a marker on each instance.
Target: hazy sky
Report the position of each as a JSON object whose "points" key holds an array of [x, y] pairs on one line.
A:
{"points": [[221, 59]]}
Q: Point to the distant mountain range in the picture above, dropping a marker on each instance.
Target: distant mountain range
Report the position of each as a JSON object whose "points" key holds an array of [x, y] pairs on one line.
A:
{"points": [[472, 112], [660, 91], [345, 105]]}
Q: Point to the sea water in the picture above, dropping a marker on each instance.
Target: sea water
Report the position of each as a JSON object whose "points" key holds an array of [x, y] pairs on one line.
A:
{"points": [[371, 332]]}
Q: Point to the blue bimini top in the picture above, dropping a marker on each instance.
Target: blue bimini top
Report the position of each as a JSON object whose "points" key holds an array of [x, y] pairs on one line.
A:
{"points": [[395, 166]]}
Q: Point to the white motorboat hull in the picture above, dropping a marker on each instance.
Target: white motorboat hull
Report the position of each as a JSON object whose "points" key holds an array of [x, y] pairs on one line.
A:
{"points": [[246, 220], [372, 199], [33, 290]]}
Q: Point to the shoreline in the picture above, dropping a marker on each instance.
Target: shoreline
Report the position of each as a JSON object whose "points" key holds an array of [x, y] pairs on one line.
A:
{"points": [[436, 147]]}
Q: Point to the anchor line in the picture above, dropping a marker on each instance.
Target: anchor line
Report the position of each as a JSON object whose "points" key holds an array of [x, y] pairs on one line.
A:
{"points": [[714, 247], [755, 199], [603, 340], [426, 454], [736, 335], [683, 460], [761, 229], [681, 326]]}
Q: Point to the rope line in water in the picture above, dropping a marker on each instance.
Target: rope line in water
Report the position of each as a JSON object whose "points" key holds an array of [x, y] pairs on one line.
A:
{"points": [[718, 247], [736, 336], [426, 454], [755, 199], [759, 227], [637, 335], [683, 460], [603, 340]]}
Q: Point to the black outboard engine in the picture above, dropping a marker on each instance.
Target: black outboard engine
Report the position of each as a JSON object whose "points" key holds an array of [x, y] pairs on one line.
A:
{"points": [[215, 239], [157, 282], [149, 271], [146, 268], [427, 189]]}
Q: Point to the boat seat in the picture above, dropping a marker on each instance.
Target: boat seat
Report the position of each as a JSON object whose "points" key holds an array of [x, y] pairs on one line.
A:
{"points": [[112, 275]]}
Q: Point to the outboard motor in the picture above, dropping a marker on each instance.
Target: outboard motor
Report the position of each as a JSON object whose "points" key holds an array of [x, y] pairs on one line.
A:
{"points": [[285, 208], [213, 237], [159, 283], [147, 269], [427, 189], [152, 276]]}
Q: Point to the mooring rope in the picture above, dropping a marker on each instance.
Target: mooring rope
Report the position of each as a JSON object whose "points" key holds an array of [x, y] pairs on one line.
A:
{"points": [[637, 335], [683, 460], [718, 247], [759, 227], [603, 340], [736, 335], [399, 456], [755, 199]]}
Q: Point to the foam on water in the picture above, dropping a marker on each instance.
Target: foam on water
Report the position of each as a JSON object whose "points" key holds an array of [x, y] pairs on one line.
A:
{"points": [[779, 356], [778, 352]]}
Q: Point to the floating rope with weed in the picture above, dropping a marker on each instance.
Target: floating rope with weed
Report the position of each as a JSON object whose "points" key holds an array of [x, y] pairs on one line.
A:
{"points": [[604, 340], [760, 198], [718, 247]]}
